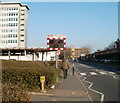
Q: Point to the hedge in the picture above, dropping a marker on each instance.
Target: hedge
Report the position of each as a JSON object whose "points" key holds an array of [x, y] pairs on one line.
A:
{"points": [[19, 72], [12, 93]]}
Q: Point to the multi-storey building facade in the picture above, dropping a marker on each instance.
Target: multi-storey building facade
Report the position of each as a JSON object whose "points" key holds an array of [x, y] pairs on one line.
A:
{"points": [[78, 52], [13, 25], [81, 52]]}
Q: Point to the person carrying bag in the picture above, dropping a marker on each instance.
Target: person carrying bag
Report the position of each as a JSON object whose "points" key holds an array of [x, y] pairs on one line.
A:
{"points": [[65, 67]]}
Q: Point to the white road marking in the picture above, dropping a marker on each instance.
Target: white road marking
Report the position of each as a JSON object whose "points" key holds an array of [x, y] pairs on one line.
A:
{"points": [[83, 74], [93, 73], [102, 95], [115, 77], [102, 73], [111, 72], [85, 89], [85, 65]]}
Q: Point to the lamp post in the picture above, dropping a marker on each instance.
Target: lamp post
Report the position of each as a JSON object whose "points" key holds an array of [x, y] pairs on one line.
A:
{"points": [[73, 68]]}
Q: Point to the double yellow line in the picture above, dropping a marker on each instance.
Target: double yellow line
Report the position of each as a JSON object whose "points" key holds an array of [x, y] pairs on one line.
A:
{"points": [[73, 93]]}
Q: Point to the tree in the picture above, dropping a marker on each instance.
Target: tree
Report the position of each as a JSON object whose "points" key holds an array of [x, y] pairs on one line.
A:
{"points": [[65, 53]]}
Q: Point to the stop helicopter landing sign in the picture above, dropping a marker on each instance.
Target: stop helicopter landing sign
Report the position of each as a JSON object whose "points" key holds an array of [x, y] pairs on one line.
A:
{"points": [[58, 53]]}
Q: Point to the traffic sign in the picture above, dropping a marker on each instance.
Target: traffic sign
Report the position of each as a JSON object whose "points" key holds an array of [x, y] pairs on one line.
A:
{"points": [[56, 42], [42, 78], [58, 53], [73, 53]]}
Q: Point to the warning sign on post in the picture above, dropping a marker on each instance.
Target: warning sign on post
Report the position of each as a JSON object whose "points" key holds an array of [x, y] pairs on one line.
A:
{"points": [[58, 53], [42, 78], [56, 42]]}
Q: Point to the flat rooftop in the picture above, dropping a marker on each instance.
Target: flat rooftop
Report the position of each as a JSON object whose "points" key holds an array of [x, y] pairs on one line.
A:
{"points": [[14, 3]]}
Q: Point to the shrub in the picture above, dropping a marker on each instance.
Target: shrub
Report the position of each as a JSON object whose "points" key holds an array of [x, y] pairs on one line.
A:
{"points": [[51, 63], [29, 76], [13, 93]]}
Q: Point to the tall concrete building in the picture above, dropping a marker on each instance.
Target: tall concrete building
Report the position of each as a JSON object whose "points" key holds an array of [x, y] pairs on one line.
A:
{"points": [[13, 25]]}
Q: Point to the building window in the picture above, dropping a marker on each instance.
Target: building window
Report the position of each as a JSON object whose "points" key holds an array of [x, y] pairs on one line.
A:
{"points": [[16, 14], [9, 35], [8, 41], [22, 19], [12, 35], [22, 29], [13, 19], [22, 40], [22, 35], [13, 14], [11, 41], [22, 14], [12, 24], [22, 24]]}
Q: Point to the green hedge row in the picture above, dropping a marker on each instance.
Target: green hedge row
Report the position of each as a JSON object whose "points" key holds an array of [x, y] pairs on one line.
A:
{"points": [[29, 77]]}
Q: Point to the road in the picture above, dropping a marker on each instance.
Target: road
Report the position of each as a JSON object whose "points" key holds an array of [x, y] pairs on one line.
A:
{"points": [[102, 84]]}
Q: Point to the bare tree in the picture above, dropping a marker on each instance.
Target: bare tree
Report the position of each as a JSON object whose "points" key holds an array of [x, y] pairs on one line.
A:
{"points": [[65, 53]]}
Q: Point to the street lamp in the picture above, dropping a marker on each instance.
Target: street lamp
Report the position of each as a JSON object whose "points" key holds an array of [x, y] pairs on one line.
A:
{"points": [[73, 53], [73, 68], [73, 49]]}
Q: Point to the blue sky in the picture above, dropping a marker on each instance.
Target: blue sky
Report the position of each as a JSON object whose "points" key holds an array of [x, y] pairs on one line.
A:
{"points": [[93, 24]]}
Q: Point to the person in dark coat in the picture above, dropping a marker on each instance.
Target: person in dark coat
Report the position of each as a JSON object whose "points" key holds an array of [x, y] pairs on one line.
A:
{"points": [[65, 67]]}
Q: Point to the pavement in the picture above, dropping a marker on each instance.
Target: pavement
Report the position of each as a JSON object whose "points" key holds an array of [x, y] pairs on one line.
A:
{"points": [[69, 89]]}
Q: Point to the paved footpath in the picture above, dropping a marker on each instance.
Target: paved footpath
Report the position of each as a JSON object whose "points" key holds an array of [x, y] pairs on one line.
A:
{"points": [[69, 89]]}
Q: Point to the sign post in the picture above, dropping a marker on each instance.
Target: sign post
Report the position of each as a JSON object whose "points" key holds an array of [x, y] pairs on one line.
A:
{"points": [[56, 59], [73, 60], [42, 80]]}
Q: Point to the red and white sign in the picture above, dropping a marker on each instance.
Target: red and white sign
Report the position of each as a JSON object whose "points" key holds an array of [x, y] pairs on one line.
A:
{"points": [[58, 53], [56, 37]]}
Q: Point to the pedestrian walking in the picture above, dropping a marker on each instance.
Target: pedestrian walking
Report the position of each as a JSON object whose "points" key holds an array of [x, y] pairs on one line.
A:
{"points": [[65, 67]]}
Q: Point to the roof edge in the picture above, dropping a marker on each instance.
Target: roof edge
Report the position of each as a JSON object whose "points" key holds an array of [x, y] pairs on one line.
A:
{"points": [[22, 5]]}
